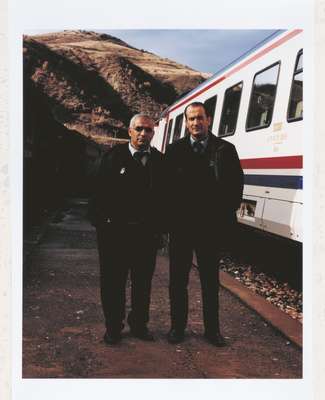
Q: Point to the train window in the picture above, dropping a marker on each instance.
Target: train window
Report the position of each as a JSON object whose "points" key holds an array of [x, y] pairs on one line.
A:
{"points": [[211, 107], [262, 98], [295, 103], [178, 127], [169, 131], [230, 110]]}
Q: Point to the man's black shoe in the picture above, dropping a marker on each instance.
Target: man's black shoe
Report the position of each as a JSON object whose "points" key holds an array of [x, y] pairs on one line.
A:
{"points": [[175, 336], [112, 338], [143, 334], [216, 339]]}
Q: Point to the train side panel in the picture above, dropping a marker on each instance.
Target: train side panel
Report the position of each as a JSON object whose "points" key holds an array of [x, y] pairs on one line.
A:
{"points": [[271, 156]]}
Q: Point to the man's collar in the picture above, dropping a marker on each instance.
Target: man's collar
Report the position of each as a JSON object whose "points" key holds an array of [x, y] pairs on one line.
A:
{"points": [[204, 141], [133, 150]]}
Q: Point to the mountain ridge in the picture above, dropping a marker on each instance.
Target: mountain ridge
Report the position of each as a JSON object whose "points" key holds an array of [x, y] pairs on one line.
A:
{"points": [[94, 82]]}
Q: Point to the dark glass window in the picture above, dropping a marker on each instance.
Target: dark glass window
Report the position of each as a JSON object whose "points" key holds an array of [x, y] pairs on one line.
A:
{"points": [[169, 130], [178, 127], [230, 110], [211, 107], [247, 208], [295, 109], [262, 98]]}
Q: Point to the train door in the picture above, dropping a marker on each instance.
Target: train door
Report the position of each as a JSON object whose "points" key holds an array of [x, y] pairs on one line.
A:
{"points": [[158, 139]]}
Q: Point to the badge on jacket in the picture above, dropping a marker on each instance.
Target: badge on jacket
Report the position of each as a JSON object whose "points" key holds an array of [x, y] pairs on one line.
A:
{"points": [[122, 171]]}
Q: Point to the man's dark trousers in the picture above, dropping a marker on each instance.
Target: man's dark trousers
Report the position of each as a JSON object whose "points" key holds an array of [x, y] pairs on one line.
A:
{"points": [[182, 244], [122, 251]]}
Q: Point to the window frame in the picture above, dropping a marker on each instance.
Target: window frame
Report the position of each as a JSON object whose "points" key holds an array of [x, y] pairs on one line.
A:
{"points": [[295, 72], [223, 106], [169, 131], [256, 128], [179, 117], [215, 107]]}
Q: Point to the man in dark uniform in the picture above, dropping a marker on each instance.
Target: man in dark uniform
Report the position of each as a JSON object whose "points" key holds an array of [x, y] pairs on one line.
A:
{"points": [[206, 184], [125, 211]]}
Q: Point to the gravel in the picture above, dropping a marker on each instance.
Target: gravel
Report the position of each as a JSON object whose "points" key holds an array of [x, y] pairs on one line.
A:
{"points": [[278, 293]]}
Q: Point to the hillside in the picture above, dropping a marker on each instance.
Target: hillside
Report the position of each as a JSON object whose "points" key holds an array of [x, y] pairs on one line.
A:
{"points": [[93, 83]]}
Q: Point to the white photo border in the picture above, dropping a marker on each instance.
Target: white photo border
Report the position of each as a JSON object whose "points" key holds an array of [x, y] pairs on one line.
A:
{"points": [[207, 14]]}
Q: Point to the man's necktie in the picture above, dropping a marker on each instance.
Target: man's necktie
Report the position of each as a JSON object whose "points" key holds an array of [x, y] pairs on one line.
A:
{"points": [[138, 156], [198, 147]]}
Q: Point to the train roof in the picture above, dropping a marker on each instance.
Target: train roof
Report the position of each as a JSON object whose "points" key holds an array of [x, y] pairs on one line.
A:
{"points": [[259, 45]]}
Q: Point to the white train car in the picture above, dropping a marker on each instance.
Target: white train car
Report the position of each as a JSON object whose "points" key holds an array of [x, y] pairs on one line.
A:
{"points": [[256, 104]]}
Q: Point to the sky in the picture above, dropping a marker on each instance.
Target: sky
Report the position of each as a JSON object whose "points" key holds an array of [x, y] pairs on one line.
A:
{"points": [[203, 50]]}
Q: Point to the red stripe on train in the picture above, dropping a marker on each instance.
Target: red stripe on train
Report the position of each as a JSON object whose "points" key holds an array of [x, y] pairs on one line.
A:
{"points": [[266, 50], [294, 162], [239, 67], [198, 93]]}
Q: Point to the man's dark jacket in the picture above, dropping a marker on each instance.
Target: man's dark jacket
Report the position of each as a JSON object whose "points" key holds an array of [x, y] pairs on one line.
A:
{"points": [[207, 190], [122, 195]]}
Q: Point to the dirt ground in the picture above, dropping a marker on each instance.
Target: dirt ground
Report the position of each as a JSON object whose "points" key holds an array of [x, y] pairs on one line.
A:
{"points": [[63, 322]]}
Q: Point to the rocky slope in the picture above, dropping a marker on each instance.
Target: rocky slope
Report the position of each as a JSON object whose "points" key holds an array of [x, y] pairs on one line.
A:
{"points": [[93, 83]]}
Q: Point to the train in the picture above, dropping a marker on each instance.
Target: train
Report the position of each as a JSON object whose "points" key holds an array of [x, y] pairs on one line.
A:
{"points": [[256, 103]]}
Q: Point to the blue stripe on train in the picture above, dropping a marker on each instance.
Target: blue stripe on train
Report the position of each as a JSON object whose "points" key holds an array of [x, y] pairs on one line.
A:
{"points": [[280, 181]]}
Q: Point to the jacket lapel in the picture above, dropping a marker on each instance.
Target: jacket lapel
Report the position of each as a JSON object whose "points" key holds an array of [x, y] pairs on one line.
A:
{"points": [[215, 145], [153, 165]]}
